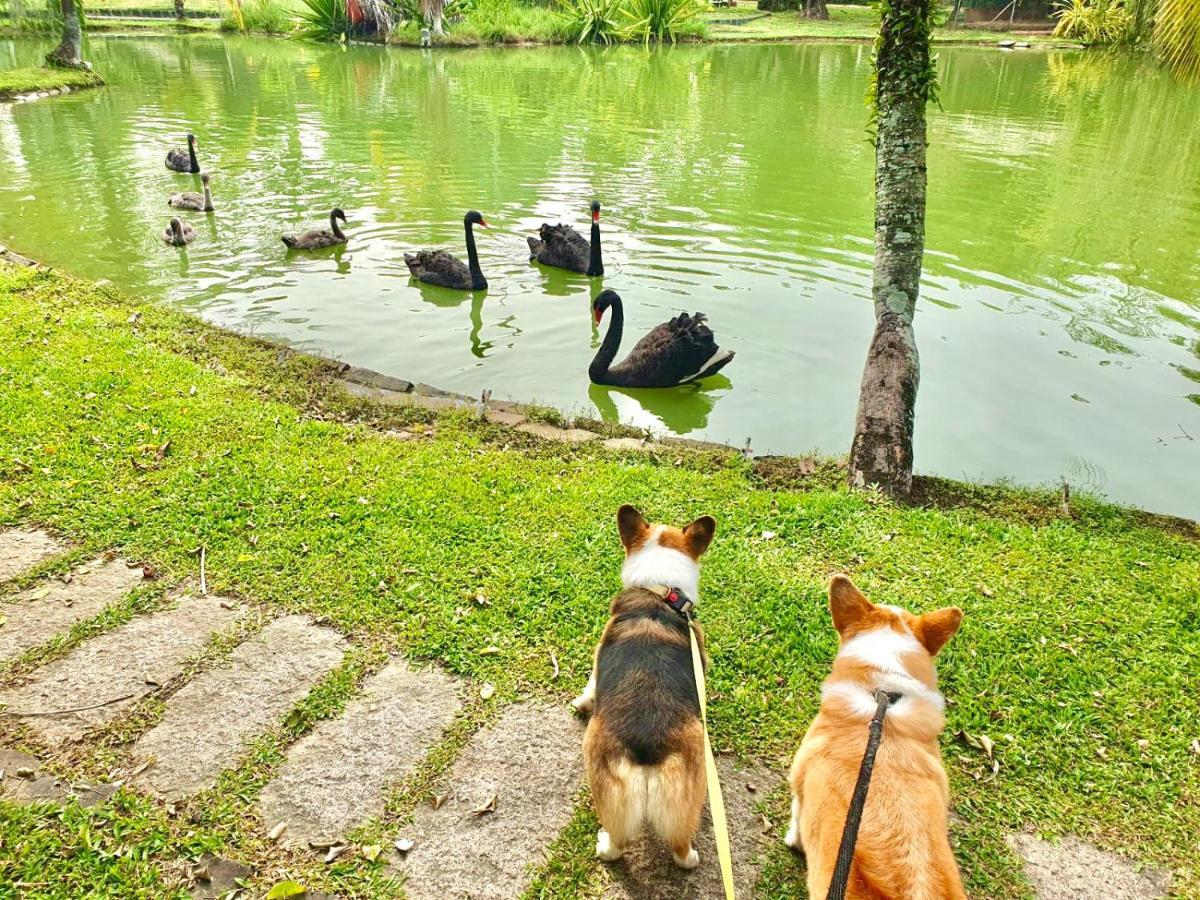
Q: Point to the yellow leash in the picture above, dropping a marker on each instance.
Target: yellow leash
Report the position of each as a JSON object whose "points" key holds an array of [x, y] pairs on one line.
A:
{"points": [[716, 802]]}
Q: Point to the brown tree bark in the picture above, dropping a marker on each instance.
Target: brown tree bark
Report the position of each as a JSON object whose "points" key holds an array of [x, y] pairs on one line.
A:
{"points": [[179, 9], [68, 53], [815, 9], [882, 451]]}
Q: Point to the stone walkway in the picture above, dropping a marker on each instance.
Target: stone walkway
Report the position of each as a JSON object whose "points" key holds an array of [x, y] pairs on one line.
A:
{"points": [[503, 801]]}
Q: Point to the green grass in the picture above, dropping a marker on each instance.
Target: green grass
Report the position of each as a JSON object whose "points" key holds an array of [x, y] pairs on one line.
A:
{"points": [[24, 81], [1081, 637], [845, 23]]}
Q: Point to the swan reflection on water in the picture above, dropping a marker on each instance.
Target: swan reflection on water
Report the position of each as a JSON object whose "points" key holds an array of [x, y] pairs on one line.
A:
{"points": [[447, 298], [681, 409]]}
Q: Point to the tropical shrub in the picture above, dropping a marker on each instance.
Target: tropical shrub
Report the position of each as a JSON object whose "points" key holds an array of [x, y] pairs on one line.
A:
{"points": [[1093, 21], [1177, 35], [324, 20], [592, 21], [493, 20], [258, 15], [663, 20]]}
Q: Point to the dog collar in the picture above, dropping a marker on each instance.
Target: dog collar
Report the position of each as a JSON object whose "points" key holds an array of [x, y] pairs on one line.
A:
{"points": [[674, 598]]}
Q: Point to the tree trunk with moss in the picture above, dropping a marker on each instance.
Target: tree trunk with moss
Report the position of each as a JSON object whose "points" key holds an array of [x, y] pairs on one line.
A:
{"points": [[179, 9], [68, 53], [815, 9], [432, 11], [882, 452]]}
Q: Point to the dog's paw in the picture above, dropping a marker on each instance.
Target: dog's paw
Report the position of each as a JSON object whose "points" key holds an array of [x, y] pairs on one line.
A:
{"points": [[605, 849], [687, 862], [792, 838], [583, 704]]}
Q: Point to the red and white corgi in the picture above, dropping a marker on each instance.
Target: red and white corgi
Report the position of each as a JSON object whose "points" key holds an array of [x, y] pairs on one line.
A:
{"points": [[903, 848], [644, 747]]}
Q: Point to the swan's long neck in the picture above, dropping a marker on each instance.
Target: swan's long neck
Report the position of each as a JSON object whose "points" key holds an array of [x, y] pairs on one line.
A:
{"points": [[208, 198], [333, 224], [595, 264], [193, 162], [478, 282], [598, 370]]}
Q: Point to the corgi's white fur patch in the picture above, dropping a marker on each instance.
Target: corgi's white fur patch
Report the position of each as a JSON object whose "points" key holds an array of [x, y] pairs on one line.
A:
{"points": [[653, 564], [881, 649]]}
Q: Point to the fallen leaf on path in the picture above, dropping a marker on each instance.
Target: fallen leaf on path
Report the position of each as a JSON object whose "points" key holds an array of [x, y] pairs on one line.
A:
{"points": [[490, 651], [437, 800], [488, 807], [335, 852], [768, 535], [979, 742], [487, 691], [371, 852], [39, 593], [277, 832], [405, 844], [284, 889]]}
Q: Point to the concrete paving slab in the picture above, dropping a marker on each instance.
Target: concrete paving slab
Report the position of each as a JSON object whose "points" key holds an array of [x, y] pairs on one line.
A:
{"points": [[47, 610], [210, 721], [35, 785], [337, 777], [21, 550], [1074, 870], [511, 792], [107, 674]]}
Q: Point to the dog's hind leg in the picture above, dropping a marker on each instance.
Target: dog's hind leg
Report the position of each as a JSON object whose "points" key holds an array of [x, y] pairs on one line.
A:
{"points": [[587, 700], [792, 838], [677, 791], [620, 795]]}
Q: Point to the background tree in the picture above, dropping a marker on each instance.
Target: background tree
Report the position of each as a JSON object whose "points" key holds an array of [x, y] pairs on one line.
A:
{"points": [[1177, 35], [68, 53], [815, 9], [179, 9], [905, 81], [432, 11]]}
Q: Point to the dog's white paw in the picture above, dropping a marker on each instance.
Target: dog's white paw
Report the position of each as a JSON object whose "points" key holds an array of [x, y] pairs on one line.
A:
{"points": [[792, 838], [583, 704], [605, 849], [688, 862]]}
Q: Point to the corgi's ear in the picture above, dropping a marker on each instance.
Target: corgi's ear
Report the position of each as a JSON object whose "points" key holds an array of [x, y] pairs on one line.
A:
{"points": [[699, 535], [632, 525], [934, 629], [847, 603]]}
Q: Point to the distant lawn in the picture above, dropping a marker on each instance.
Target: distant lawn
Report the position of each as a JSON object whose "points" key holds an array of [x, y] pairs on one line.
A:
{"points": [[845, 23], [24, 81]]}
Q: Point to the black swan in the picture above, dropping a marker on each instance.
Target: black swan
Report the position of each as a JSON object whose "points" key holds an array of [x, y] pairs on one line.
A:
{"points": [[440, 268], [192, 200], [178, 233], [675, 352], [562, 247], [318, 237], [178, 161]]}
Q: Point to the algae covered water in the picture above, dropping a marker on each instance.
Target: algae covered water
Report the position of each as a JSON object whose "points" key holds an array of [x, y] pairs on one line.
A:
{"points": [[1059, 323]]}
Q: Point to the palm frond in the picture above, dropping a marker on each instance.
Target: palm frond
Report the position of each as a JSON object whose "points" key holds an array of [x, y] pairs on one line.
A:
{"points": [[1177, 36]]}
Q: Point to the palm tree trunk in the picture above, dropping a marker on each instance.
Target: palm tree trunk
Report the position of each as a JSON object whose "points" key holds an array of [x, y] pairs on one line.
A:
{"points": [[68, 53], [882, 452], [179, 9], [815, 9]]}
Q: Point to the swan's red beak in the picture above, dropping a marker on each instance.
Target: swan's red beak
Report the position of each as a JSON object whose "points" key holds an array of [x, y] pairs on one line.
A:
{"points": [[596, 215], [484, 223], [597, 315]]}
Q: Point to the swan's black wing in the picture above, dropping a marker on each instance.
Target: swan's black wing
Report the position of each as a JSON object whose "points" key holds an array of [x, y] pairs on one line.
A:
{"points": [[561, 246], [315, 239], [179, 161], [675, 352], [438, 267]]}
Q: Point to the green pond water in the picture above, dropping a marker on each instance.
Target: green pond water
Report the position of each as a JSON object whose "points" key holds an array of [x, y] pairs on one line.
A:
{"points": [[1059, 321]]}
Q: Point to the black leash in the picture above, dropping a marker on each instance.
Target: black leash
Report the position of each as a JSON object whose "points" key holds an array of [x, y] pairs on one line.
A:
{"points": [[845, 857]]}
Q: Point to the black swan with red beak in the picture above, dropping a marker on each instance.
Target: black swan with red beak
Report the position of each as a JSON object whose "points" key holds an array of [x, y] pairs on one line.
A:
{"points": [[443, 269], [679, 351], [562, 246]]}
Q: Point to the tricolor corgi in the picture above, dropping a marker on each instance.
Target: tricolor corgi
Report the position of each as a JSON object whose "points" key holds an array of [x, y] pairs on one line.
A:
{"points": [[644, 747], [903, 848]]}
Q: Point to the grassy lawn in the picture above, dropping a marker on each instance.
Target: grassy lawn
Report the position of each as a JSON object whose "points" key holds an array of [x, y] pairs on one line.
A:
{"points": [[1078, 654], [24, 81], [845, 23]]}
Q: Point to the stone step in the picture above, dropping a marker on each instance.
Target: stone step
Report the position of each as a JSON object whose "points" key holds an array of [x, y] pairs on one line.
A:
{"points": [[109, 673], [210, 721], [647, 872], [35, 785], [35, 616], [530, 761], [21, 550], [336, 777]]}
